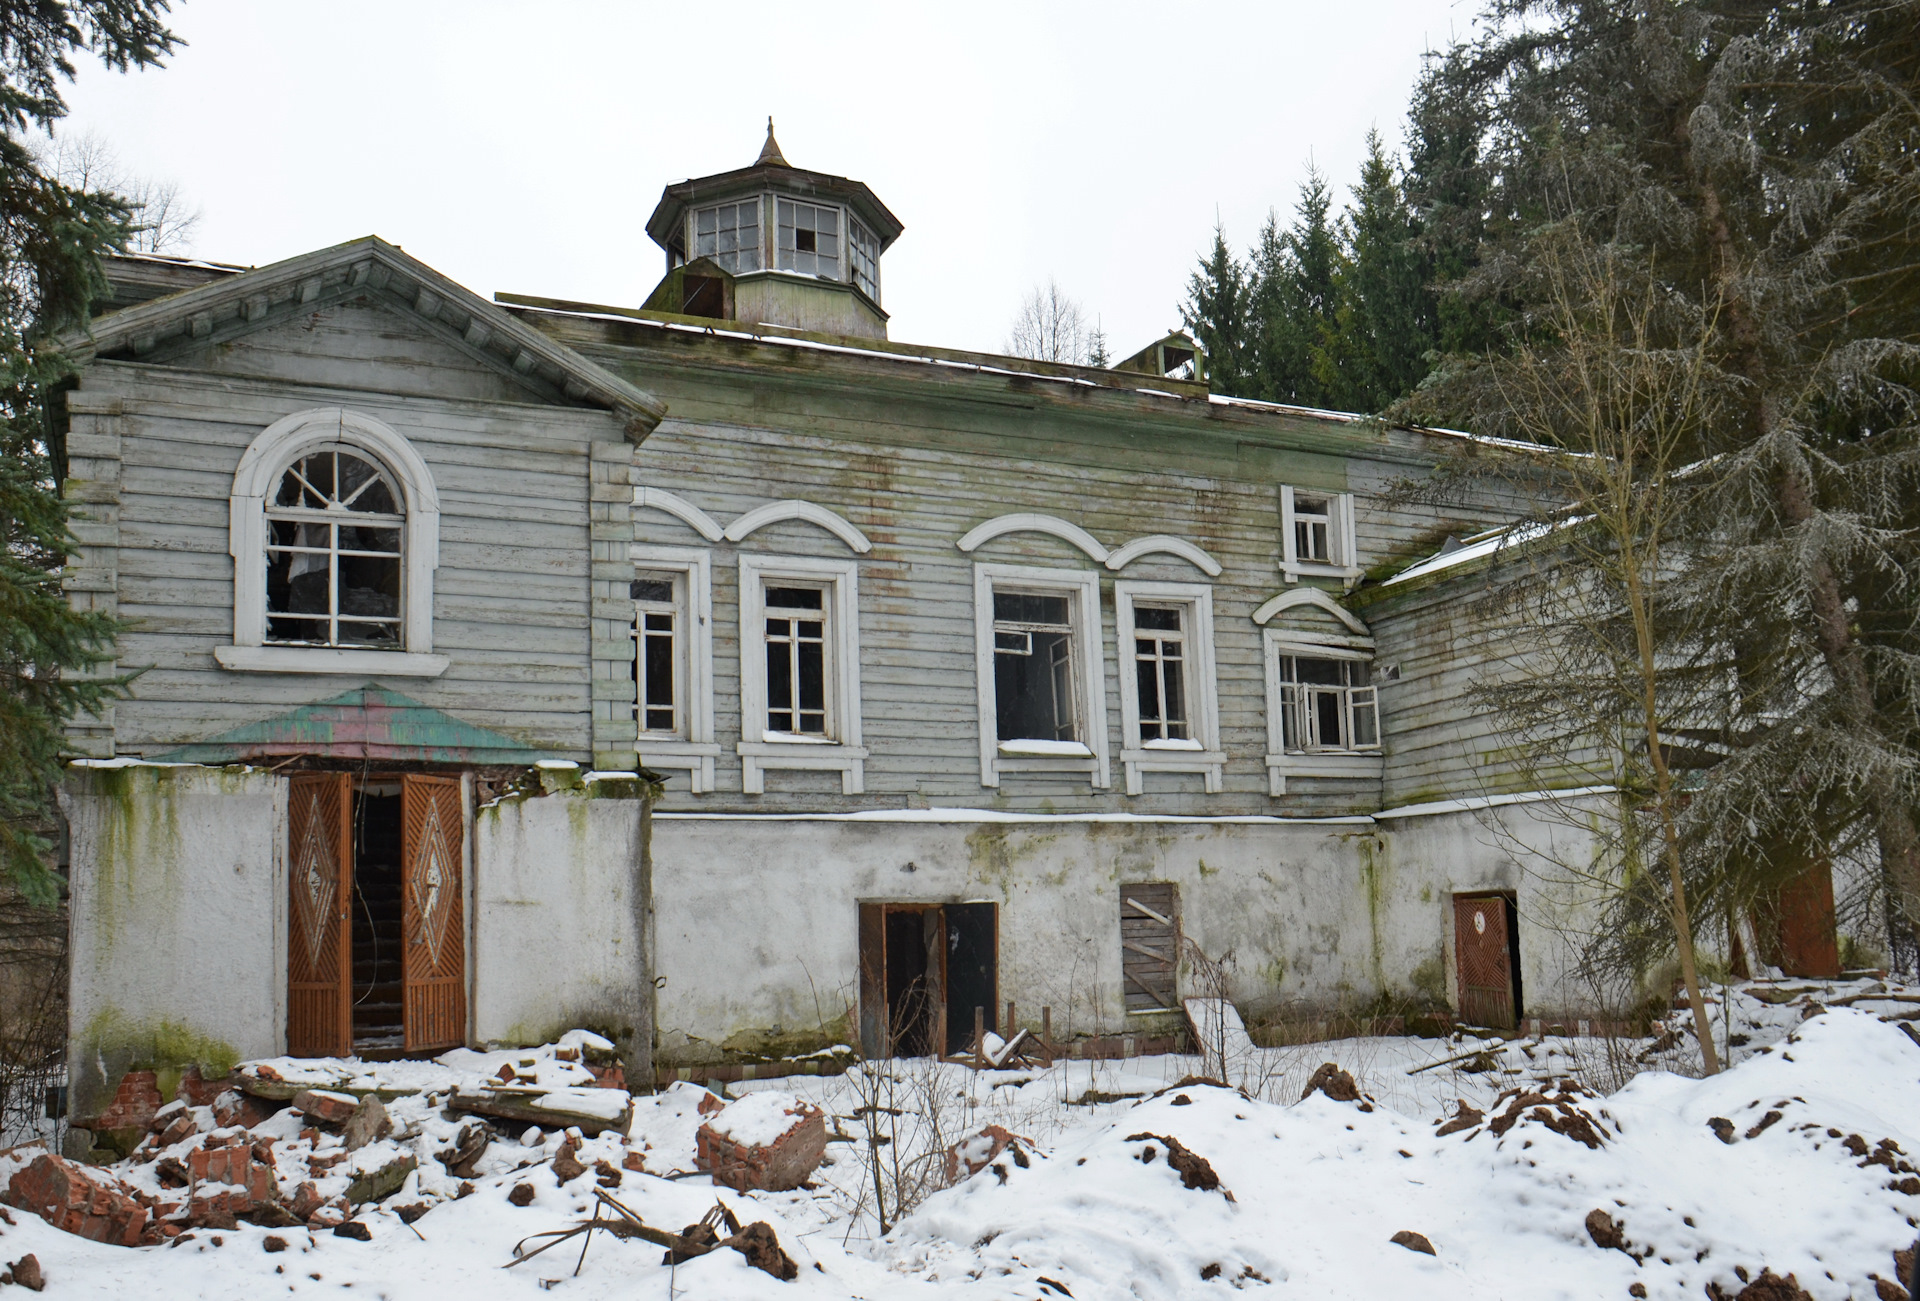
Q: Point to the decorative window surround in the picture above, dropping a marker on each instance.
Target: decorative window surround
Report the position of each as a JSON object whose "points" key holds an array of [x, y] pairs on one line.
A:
{"points": [[1083, 588], [1342, 561], [760, 516], [1160, 543], [680, 508], [1281, 764], [1203, 753], [254, 482], [758, 749], [695, 750], [1031, 523], [774, 511]]}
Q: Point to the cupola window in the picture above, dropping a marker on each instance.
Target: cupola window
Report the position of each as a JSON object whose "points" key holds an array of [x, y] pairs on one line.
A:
{"points": [[863, 256], [809, 239], [729, 234]]}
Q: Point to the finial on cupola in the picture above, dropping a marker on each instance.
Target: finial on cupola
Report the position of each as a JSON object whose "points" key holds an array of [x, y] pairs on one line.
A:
{"points": [[770, 155]]}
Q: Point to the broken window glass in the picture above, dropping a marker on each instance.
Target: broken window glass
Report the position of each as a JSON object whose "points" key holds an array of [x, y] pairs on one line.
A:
{"points": [[656, 620], [1033, 667], [1327, 704], [1159, 652], [333, 552], [809, 238], [729, 234], [796, 661]]}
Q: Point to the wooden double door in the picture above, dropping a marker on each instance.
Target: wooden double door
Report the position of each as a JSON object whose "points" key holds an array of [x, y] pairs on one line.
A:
{"points": [[376, 927]]}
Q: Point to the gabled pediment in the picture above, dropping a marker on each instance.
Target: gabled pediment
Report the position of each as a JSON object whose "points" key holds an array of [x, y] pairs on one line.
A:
{"points": [[373, 271]]}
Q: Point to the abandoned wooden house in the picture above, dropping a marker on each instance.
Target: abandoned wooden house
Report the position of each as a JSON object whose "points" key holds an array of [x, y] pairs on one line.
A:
{"points": [[968, 681]]}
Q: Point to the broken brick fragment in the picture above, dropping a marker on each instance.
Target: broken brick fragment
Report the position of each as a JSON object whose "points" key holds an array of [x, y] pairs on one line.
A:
{"points": [[325, 1105], [1413, 1242], [135, 1102], [87, 1204], [776, 1166], [1333, 1082], [566, 1162], [979, 1151]]}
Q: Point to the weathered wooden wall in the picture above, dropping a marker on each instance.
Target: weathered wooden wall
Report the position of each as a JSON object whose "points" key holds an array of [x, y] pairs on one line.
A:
{"points": [[915, 456], [510, 593]]}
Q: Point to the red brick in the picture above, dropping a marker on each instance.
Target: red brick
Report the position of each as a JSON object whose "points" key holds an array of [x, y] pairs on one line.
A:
{"points": [[134, 1103], [96, 1207], [198, 1091], [233, 1107], [778, 1166], [326, 1107]]}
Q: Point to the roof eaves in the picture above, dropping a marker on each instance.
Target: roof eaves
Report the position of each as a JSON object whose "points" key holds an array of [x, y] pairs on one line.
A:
{"points": [[498, 335]]}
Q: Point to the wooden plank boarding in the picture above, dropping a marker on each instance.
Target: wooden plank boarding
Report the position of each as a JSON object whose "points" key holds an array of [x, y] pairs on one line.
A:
{"points": [[1150, 945]]}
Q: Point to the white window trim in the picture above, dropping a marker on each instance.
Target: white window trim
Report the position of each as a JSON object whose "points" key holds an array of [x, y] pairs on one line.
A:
{"points": [[696, 751], [255, 480], [1365, 765], [1083, 588], [1203, 699], [844, 754], [1343, 563]]}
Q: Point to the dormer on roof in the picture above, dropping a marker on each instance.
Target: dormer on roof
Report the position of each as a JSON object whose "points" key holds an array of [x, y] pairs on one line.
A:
{"points": [[802, 249]]}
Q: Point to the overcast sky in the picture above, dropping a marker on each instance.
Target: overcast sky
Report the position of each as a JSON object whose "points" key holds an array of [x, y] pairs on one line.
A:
{"points": [[521, 146]]}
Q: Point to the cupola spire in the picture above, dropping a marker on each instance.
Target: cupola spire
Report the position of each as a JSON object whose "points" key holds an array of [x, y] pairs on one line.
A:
{"points": [[770, 155]]}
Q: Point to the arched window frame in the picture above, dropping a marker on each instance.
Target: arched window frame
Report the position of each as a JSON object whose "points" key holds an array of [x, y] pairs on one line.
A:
{"points": [[261, 466]]}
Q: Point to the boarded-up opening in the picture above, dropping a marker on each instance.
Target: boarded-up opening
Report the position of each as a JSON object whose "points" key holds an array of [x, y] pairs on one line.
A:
{"points": [[1486, 932], [1150, 945], [924, 968], [1796, 926], [320, 881]]}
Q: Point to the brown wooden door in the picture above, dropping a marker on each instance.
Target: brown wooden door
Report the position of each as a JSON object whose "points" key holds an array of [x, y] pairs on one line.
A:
{"points": [[1486, 960], [319, 933], [433, 915], [1150, 945]]}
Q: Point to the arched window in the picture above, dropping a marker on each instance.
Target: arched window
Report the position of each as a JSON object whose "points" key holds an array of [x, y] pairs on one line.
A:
{"points": [[334, 530], [334, 547]]}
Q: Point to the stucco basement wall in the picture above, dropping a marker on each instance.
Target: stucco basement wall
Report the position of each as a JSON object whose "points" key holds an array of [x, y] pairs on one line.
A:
{"points": [[757, 917], [557, 935], [178, 912]]}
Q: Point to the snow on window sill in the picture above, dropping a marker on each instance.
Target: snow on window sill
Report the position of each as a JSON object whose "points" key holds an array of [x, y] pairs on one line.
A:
{"points": [[1046, 749], [795, 738], [1169, 744]]}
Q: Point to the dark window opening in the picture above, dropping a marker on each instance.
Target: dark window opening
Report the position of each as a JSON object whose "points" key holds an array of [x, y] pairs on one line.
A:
{"points": [[378, 1019], [803, 241], [656, 653], [703, 296], [796, 661], [913, 970], [1033, 667]]}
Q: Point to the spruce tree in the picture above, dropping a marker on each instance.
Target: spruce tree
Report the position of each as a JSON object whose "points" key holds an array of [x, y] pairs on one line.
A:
{"points": [[1216, 312], [52, 238], [1383, 322], [1760, 165]]}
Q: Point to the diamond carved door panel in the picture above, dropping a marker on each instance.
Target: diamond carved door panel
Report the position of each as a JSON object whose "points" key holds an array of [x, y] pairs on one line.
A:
{"points": [[1486, 961], [433, 913], [320, 881]]}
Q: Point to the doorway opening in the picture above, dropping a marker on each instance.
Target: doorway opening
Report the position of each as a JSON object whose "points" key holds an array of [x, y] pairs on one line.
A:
{"points": [[1486, 929], [924, 971], [379, 1024]]}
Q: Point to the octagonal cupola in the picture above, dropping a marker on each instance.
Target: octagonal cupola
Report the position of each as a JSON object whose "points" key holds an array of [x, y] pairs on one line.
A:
{"points": [[774, 244]]}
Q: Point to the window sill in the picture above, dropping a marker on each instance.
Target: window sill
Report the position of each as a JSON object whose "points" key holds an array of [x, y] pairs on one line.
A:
{"points": [[756, 757], [1210, 764], [329, 659], [1046, 749], [1356, 764], [695, 758], [1313, 569]]}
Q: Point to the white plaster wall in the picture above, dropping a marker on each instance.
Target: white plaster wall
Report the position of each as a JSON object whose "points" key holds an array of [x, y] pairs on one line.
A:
{"points": [[178, 940], [556, 940], [758, 919], [1539, 850]]}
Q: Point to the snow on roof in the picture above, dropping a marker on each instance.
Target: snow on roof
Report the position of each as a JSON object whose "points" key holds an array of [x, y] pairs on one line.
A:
{"points": [[1481, 545]]}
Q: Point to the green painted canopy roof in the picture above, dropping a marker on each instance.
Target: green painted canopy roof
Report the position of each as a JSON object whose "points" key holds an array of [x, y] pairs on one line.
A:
{"points": [[369, 722]]}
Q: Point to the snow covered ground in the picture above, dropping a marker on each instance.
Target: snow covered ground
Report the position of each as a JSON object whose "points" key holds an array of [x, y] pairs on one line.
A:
{"points": [[1796, 1161]]}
